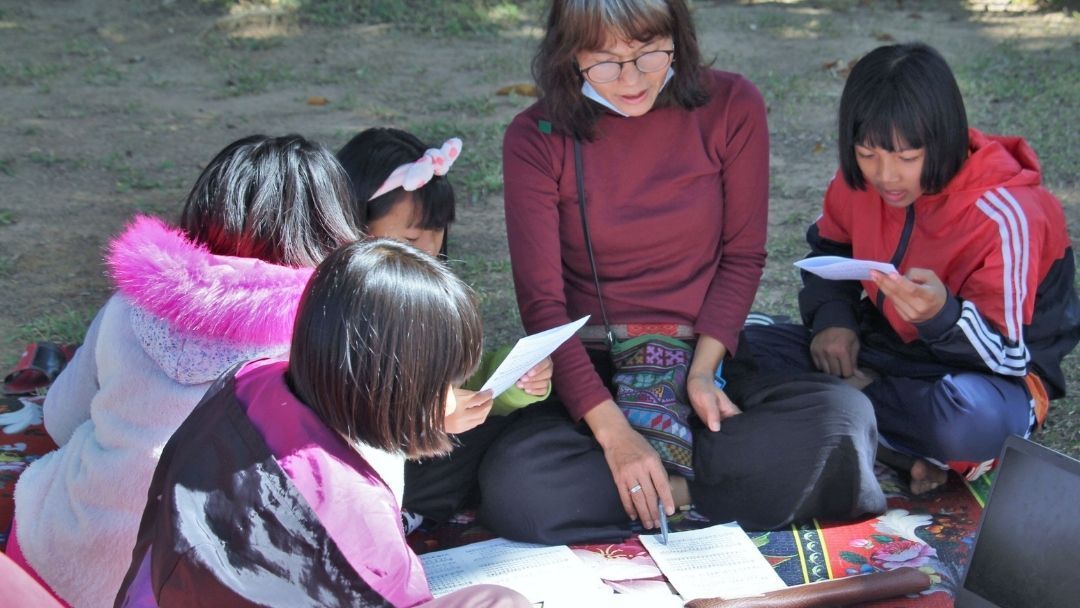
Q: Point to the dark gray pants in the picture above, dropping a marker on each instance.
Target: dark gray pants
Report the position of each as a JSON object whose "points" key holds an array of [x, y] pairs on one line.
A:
{"points": [[923, 407], [803, 447]]}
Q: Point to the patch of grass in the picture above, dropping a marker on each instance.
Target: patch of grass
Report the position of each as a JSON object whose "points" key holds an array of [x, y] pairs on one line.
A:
{"points": [[65, 327], [462, 17], [137, 180], [158, 208], [383, 113], [475, 107], [7, 267], [83, 47], [493, 284], [1011, 91], [787, 93], [26, 74], [103, 74], [160, 82], [246, 78], [1062, 428], [500, 65], [7, 166], [784, 23], [129, 177], [7, 217], [49, 159], [253, 45]]}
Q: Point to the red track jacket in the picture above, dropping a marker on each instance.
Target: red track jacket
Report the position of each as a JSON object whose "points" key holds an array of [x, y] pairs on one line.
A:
{"points": [[999, 243]]}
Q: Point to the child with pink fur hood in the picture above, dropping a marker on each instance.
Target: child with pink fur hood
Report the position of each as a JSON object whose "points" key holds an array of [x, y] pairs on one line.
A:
{"points": [[190, 304]]}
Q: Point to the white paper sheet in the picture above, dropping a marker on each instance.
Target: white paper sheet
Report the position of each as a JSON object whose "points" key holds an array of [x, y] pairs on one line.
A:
{"points": [[843, 269], [529, 351], [552, 575], [718, 561]]}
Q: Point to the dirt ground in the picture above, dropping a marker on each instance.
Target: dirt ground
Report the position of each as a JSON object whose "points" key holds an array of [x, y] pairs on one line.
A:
{"points": [[110, 108]]}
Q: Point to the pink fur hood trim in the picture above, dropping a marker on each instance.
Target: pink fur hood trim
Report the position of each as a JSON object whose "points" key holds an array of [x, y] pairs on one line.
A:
{"points": [[240, 300]]}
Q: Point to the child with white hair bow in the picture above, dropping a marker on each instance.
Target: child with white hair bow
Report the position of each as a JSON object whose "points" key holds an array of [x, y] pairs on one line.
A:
{"points": [[403, 192]]}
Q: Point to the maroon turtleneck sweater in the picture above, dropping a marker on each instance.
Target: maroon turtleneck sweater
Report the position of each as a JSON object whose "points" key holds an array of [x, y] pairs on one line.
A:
{"points": [[677, 204]]}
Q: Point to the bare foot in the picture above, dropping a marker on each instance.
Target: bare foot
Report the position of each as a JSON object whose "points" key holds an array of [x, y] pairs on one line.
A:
{"points": [[923, 476], [926, 477]]}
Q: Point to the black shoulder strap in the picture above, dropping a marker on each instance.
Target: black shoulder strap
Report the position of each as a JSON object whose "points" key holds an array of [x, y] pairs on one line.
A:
{"points": [[579, 172]]}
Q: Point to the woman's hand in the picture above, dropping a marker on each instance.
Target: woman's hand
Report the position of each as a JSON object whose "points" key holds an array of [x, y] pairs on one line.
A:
{"points": [[835, 350], [537, 380], [918, 296], [710, 403], [471, 411], [635, 466]]}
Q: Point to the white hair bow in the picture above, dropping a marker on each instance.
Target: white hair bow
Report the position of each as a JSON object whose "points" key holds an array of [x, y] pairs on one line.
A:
{"points": [[414, 175]]}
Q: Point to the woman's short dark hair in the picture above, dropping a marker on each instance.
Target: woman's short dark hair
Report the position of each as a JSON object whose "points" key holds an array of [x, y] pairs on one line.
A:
{"points": [[284, 200], [904, 94], [585, 25], [372, 155], [382, 330]]}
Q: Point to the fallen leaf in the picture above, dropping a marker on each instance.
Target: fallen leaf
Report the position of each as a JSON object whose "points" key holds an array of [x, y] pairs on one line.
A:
{"points": [[317, 100], [884, 36], [523, 89], [819, 148], [839, 67]]}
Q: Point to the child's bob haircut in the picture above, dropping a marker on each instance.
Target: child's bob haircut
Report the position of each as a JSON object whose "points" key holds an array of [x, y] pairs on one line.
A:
{"points": [[284, 200], [904, 95], [372, 155], [382, 331], [584, 25]]}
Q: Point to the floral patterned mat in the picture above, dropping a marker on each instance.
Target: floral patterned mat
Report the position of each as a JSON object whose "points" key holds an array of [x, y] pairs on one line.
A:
{"points": [[17, 451], [933, 532]]}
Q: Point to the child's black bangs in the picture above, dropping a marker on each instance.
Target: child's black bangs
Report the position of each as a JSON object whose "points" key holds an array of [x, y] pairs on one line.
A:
{"points": [[889, 122], [437, 204]]}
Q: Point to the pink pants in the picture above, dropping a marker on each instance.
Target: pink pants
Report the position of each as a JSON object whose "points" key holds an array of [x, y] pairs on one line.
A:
{"points": [[22, 586]]}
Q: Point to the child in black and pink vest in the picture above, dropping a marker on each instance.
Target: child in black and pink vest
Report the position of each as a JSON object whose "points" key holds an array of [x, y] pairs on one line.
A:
{"points": [[275, 491]]}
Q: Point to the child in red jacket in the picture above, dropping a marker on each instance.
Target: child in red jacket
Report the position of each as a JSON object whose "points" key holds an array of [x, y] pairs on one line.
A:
{"points": [[962, 346]]}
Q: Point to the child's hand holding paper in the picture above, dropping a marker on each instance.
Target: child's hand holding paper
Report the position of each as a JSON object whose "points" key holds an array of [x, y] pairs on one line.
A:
{"points": [[535, 381]]}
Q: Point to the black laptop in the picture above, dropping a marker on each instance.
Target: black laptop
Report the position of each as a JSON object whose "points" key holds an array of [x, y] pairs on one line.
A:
{"points": [[1027, 550]]}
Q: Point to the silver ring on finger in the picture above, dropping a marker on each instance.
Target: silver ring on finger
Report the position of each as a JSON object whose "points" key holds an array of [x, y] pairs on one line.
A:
{"points": [[635, 489]]}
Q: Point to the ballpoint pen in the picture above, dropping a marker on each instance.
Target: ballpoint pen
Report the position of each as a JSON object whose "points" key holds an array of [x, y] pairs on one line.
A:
{"points": [[663, 522]]}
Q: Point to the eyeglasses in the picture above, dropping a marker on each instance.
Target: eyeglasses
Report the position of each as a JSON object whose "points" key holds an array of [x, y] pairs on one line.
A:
{"points": [[608, 71]]}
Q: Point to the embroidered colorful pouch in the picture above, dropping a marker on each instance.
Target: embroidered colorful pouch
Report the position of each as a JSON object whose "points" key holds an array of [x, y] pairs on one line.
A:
{"points": [[650, 389]]}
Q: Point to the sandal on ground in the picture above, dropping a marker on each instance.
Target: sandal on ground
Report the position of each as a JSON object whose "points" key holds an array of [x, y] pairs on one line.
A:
{"points": [[38, 366]]}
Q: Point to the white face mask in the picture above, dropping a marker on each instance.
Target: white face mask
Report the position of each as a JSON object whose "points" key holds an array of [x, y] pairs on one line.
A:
{"points": [[588, 91]]}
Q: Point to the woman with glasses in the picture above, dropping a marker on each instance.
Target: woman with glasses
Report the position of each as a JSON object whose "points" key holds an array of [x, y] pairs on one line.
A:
{"points": [[673, 160]]}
